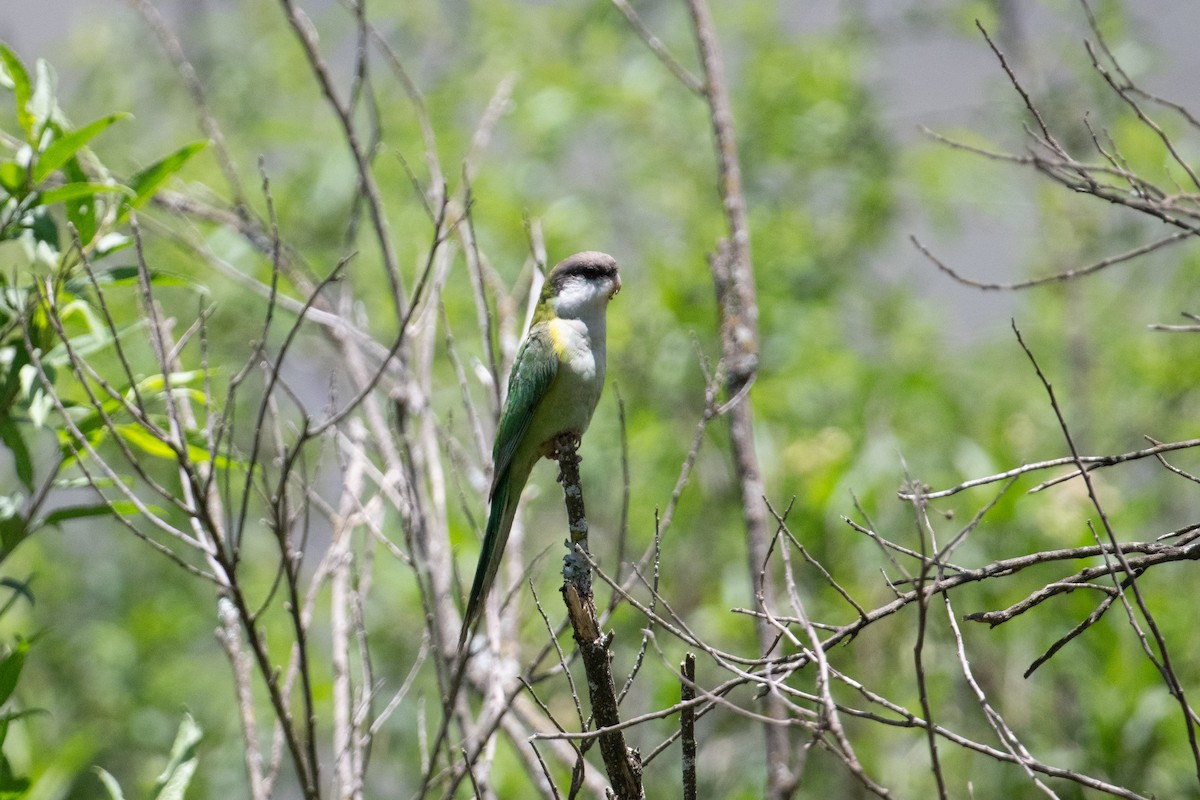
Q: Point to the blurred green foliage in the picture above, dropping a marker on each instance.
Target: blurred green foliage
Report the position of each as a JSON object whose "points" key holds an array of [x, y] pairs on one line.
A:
{"points": [[58, 204], [860, 384]]}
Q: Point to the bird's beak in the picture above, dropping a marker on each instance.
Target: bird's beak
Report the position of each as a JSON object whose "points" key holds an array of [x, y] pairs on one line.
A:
{"points": [[616, 286]]}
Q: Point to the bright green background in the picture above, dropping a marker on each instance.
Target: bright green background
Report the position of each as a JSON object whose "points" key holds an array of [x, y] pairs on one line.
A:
{"points": [[873, 365]]}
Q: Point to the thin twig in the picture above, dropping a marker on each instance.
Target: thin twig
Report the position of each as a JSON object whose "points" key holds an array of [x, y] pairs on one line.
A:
{"points": [[1163, 659]]}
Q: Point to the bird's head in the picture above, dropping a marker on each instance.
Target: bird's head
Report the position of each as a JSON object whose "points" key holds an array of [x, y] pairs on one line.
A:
{"points": [[581, 285]]}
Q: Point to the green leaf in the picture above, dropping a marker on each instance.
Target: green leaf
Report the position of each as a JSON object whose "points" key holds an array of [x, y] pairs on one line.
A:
{"points": [[11, 664], [159, 278], [12, 787], [148, 443], [116, 508], [93, 421], [74, 191], [173, 782], [82, 213], [72, 449], [69, 144], [157, 383], [13, 525], [146, 182], [10, 434], [13, 378], [20, 588], [129, 276], [13, 531], [22, 88], [12, 178], [110, 783], [197, 451]]}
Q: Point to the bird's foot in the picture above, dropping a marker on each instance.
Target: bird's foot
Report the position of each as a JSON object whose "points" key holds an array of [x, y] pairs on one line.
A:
{"points": [[567, 443]]}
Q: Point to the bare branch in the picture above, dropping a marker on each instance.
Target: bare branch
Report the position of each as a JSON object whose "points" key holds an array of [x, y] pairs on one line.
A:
{"points": [[1090, 463], [1162, 661], [659, 49], [623, 764]]}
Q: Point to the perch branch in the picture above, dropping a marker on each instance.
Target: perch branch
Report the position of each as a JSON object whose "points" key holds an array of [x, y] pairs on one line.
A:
{"points": [[624, 765]]}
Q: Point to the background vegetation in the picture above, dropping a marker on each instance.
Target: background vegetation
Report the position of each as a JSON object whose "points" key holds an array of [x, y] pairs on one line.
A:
{"points": [[142, 256]]}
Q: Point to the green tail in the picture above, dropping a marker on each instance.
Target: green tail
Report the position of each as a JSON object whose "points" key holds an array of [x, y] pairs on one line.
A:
{"points": [[500, 519]]}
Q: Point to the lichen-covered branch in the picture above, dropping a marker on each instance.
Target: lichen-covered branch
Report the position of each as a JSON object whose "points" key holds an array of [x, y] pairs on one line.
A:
{"points": [[624, 765]]}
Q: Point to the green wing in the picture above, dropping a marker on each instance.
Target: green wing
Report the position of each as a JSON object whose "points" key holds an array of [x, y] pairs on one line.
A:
{"points": [[531, 377]]}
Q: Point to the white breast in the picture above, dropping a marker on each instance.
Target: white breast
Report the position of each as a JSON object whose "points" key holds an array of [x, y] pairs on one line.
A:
{"points": [[580, 350], [571, 399]]}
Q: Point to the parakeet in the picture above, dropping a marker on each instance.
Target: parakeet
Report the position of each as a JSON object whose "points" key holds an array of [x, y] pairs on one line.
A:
{"points": [[553, 389]]}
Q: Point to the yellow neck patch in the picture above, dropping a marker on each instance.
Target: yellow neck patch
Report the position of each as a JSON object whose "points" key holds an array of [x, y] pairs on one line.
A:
{"points": [[558, 333]]}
